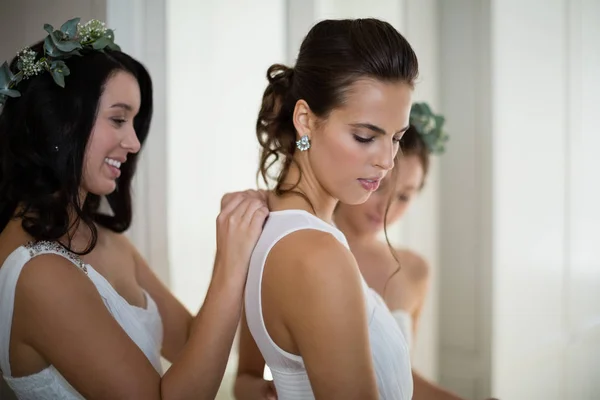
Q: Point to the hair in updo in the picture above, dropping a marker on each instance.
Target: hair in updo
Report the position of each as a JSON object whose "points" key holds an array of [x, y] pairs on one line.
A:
{"points": [[334, 55]]}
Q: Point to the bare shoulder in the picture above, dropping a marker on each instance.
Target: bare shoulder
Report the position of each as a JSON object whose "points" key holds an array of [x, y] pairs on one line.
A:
{"points": [[314, 257], [60, 312], [320, 281], [49, 282], [416, 266], [48, 275]]}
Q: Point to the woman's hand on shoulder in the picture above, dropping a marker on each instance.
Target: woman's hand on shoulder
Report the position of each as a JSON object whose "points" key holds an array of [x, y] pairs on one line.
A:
{"points": [[239, 226]]}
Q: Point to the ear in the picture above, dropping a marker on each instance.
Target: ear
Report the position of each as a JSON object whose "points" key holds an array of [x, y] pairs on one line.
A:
{"points": [[303, 118]]}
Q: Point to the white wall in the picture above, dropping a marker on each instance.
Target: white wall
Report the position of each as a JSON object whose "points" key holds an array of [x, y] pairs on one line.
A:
{"points": [[520, 309], [140, 30], [529, 53], [218, 55], [582, 277], [466, 198], [217, 60]]}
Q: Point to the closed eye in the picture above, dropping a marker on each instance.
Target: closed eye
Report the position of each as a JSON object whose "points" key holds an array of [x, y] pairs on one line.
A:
{"points": [[361, 139], [119, 121]]}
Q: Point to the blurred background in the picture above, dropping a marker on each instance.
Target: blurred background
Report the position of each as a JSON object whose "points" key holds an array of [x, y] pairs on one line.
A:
{"points": [[509, 219]]}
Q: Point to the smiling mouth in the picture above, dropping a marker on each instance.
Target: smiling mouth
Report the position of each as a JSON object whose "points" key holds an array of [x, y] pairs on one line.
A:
{"points": [[113, 162]]}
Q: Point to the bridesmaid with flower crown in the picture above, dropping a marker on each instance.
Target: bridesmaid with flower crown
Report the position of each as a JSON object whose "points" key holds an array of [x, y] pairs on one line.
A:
{"points": [[82, 315]]}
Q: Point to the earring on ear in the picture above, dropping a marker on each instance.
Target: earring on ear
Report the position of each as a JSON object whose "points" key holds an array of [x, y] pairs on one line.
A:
{"points": [[303, 144]]}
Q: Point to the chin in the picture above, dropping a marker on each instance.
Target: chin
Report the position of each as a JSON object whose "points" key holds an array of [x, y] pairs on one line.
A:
{"points": [[102, 189], [355, 198]]}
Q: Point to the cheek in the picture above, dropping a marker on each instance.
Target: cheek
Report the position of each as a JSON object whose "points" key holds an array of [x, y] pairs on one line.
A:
{"points": [[340, 152]]}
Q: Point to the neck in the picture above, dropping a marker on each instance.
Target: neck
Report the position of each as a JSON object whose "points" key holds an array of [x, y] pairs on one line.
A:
{"points": [[354, 236], [307, 195]]}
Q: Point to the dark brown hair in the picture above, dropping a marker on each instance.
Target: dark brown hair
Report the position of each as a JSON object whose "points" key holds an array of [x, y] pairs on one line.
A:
{"points": [[412, 144], [334, 55], [43, 139]]}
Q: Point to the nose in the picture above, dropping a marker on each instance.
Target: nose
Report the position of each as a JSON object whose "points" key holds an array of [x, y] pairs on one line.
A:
{"points": [[386, 155], [130, 142]]}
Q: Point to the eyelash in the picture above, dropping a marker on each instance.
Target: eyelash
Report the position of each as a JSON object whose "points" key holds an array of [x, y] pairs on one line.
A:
{"points": [[360, 139], [119, 122]]}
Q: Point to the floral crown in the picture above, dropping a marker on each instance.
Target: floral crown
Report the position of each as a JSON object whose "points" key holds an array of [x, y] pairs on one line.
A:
{"points": [[429, 127], [72, 39]]}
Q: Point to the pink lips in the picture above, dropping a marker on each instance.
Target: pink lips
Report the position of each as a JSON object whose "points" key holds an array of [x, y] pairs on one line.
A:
{"points": [[115, 172], [370, 185]]}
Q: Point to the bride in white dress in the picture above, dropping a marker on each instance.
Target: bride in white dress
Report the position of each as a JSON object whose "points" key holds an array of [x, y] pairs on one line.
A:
{"points": [[334, 122]]}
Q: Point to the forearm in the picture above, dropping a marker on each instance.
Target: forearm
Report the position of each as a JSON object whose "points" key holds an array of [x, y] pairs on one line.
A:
{"points": [[199, 369], [425, 390], [249, 387]]}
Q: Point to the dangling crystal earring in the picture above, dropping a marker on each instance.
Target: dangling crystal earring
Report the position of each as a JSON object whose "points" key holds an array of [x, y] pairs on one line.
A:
{"points": [[303, 144]]}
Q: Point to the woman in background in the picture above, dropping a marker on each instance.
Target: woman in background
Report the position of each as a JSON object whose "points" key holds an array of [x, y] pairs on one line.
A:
{"points": [[403, 288]]}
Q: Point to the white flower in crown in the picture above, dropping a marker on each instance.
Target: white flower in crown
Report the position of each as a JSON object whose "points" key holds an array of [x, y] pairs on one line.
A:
{"points": [[91, 30], [429, 126], [26, 63], [72, 39]]}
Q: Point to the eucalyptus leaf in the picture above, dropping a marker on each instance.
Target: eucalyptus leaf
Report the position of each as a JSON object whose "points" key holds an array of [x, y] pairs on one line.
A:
{"points": [[48, 28], [101, 43], [75, 53], [60, 67], [49, 47], [69, 28], [55, 39], [6, 75], [59, 78], [10, 93], [58, 46], [114, 46], [68, 46]]}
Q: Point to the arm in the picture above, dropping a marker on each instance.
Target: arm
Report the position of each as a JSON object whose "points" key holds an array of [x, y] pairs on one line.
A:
{"points": [[249, 383], [67, 322], [199, 370], [176, 319], [321, 299]]}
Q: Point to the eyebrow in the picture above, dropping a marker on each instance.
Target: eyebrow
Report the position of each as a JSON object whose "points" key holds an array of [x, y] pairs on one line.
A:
{"points": [[376, 129], [122, 105]]}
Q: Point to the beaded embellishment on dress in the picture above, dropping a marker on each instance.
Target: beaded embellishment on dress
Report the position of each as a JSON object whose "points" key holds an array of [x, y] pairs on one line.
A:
{"points": [[45, 246]]}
